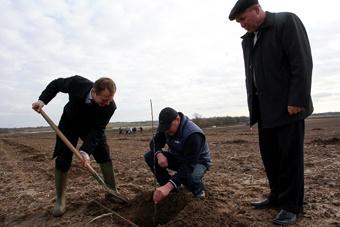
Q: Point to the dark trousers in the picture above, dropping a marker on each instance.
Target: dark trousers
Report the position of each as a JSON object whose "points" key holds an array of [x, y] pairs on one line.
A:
{"points": [[192, 179], [282, 155], [64, 155]]}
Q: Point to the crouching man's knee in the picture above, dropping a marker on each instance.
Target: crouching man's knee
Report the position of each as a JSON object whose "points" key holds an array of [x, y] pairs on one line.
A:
{"points": [[194, 180], [149, 158]]}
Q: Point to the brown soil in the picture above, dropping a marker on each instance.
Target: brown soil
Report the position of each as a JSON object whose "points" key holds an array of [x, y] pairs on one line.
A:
{"points": [[235, 179]]}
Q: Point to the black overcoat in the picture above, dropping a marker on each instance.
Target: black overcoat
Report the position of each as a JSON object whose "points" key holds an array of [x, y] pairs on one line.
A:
{"points": [[281, 62]]}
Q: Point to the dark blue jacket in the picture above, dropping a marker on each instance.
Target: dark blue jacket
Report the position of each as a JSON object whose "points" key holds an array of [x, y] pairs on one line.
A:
{"points": [[188, 146], [177, 142]]}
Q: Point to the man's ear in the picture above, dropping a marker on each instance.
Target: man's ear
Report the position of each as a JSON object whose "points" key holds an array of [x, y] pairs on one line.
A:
{"points": [[93, 91], [257, 10]]}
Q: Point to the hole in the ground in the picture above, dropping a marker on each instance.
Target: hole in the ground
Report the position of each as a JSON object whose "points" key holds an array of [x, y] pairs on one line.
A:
{"points": [[141, 211]]}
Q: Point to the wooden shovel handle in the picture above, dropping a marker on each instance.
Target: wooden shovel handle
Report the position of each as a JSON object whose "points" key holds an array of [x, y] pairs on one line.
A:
{"points": [[65, 140], [80, 157]]}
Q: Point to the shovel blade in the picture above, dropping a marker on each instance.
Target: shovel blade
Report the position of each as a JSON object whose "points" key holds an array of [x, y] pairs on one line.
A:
{"points": [[116, 195]]}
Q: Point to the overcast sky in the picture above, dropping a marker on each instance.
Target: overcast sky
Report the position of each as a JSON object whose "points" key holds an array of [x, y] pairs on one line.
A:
{"points": [[180, 53]]}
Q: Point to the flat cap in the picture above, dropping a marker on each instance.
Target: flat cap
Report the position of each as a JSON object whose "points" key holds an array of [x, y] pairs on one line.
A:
{"points": [[240, 6]]}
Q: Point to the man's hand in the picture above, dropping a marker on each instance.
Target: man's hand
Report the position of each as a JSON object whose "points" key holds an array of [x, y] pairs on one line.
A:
{"points": [[162, 160], [86, 159], [38, 105], [295, 110], [162, 192]]}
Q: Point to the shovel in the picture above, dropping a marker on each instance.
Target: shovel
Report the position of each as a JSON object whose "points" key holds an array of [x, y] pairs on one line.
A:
{"points": [[100, 180]]}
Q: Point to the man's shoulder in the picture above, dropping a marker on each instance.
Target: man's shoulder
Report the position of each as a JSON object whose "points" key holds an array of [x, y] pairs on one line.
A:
{"points": [[79, 87], [285, 17], [190, 127], [81, 79], [80, 82]]}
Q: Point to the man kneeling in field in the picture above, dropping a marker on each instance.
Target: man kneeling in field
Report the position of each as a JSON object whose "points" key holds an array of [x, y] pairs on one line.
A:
{"points": [[188, 155]]}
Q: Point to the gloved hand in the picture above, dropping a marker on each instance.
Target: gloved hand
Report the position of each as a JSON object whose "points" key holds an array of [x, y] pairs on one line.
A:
{"points": [[162, 192], [86, 159], [162, 160], [38, 105]]}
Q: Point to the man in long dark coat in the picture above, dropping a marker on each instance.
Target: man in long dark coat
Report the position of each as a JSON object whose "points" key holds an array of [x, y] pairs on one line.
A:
{"points": [[278, 67]]}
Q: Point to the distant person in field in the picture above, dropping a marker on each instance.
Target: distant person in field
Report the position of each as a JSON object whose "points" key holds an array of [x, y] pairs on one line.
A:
{"points": [[188, 155], [278, 68], [85, 116]]}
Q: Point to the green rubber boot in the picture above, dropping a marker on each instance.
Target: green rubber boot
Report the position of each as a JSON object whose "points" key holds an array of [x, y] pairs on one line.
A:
{"points": [[60, 185], [108, 174], [109, 178]]}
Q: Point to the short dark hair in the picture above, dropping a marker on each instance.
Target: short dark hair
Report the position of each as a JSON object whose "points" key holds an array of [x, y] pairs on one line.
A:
{"points": [[104, 83]]}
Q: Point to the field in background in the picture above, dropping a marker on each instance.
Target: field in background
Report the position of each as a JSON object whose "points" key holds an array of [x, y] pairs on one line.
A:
{"points": [[235, 179], [202, 122]]}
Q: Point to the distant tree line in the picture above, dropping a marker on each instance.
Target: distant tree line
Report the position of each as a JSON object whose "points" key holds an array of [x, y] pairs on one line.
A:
{"points": [[24, 129], [4, 130], [197, 118], [219, 121], [326, 114]]}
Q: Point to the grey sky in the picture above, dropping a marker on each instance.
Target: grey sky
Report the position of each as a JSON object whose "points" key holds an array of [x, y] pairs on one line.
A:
{"points": [[184, 54]]}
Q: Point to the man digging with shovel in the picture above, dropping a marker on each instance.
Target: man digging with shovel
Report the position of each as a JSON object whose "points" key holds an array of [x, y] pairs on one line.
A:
{"points": [[85, 116]]}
